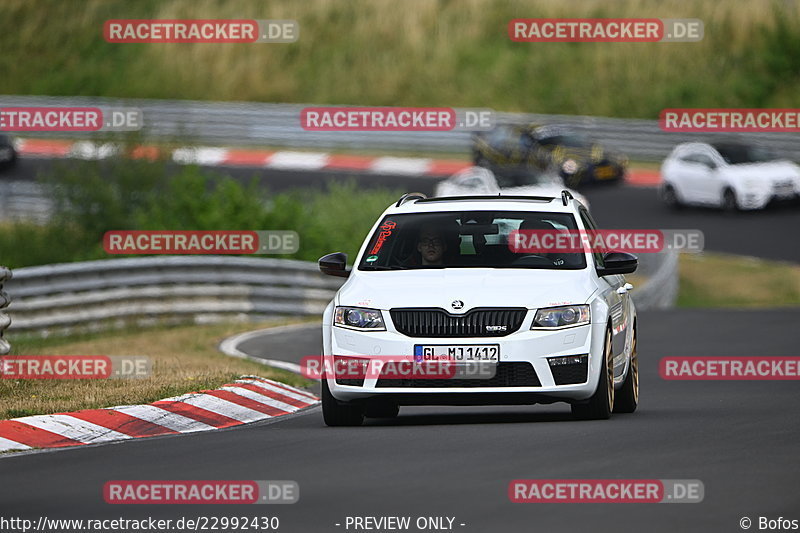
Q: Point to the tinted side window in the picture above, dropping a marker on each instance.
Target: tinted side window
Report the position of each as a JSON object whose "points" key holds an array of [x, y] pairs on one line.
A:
{"points": [[701, 159]]}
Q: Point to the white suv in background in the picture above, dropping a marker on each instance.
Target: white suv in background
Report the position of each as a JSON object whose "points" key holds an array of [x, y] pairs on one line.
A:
{"points": [[728, 175], [437, 277]]}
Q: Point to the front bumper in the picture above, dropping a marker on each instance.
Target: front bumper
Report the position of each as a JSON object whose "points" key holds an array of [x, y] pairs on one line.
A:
{"points": [[517, 350], [760, 198]]}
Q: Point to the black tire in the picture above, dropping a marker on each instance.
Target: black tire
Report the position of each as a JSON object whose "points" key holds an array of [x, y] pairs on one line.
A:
{"points": [[336, 413], [600, 405], [729, 202], [11, 163], [670, 197], [626, 399]]}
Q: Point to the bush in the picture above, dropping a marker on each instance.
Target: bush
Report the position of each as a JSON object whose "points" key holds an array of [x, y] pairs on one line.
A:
{"points": [[92, 197]]}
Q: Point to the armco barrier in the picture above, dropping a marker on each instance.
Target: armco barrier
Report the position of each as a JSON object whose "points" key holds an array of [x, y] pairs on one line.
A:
{"points": [[247, 123], [660, 291], [5, 321], [94, 295]]}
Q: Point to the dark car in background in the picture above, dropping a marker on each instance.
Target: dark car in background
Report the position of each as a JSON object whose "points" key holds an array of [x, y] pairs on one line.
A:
{"points": [[8, 154], [515, 148]]}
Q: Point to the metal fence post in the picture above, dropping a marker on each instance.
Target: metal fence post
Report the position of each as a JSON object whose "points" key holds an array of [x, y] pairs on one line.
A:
{"points": [[5, 320]]}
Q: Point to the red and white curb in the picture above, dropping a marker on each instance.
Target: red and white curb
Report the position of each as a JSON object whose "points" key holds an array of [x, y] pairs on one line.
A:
{"points": [[248, 399], [281, 160]]}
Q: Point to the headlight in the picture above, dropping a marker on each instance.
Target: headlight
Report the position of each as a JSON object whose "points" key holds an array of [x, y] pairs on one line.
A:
{"points": [[565, 316], [359, 318], [569, 166]]}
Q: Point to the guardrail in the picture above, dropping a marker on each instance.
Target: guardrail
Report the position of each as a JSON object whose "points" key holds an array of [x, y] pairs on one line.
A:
{"points": [[5, 320], [96, 295], [660, 291], [242, 123]]}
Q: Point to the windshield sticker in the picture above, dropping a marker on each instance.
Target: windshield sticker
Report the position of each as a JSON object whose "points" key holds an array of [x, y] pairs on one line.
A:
{"points": [[372, 258], [386, 232]]}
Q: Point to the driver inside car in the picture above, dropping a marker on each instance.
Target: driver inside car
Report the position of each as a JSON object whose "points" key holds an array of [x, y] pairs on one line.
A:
{"points": [[431, 246]]}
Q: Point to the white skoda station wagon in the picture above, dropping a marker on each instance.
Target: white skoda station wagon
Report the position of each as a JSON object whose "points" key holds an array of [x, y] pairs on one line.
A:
{"points": [[436, 280]]}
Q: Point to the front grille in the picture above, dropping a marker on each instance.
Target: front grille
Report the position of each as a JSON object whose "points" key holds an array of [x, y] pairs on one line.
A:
{"points": [[353, 382], [571, 374], [508, 375], [435, 322]]}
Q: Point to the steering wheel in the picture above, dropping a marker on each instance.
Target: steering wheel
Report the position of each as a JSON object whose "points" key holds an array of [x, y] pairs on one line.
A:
{"points": [[533, 260]]}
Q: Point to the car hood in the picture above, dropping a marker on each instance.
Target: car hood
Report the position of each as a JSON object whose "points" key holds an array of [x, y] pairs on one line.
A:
{"points": [[773, 171], [476, 287]]}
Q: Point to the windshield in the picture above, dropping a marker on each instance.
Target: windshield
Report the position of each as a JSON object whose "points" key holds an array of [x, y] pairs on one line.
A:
{"points": [[737, 154], [464, 239]]}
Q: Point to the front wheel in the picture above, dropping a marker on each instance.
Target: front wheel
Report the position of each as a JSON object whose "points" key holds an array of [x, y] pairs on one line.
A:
{"points": [[670, 197], [601, 403], [336, 413], [627, 397], [729, 202]]}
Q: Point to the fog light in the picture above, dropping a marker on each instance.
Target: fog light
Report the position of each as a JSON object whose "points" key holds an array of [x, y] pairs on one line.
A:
{"points": [[566, 360]]}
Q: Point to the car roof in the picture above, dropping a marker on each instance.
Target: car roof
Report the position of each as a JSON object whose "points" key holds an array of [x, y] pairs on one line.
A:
{"points": [[484, 202]]}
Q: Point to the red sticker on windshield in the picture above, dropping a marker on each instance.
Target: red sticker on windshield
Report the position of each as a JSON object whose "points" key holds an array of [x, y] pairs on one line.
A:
{"points": [[386, 232]]}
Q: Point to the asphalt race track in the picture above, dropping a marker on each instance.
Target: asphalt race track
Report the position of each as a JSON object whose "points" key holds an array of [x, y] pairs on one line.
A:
{"points": [[771, 234], [738, 437]]}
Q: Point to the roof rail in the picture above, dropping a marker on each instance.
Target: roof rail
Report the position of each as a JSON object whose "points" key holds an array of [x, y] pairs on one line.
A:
{"points": [[498, 197], [566, 197], [410, 196]]}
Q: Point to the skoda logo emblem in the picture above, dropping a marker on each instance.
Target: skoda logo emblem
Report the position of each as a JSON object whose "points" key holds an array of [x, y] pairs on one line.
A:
{"points": [[457, 304]]}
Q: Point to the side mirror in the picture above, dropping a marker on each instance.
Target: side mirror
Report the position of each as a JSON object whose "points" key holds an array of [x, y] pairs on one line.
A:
{"points": [[334, 264], [618, 263]]}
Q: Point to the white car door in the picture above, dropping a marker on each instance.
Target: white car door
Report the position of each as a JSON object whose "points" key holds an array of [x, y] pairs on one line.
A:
{"points": [[709, 184], [615, 294]]}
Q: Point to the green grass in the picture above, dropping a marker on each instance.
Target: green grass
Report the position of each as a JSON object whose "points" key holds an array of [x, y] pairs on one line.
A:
{"points": [[414, 52], [720, 280], [184, 359]]}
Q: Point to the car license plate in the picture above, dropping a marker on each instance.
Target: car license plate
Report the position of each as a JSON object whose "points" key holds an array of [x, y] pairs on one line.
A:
{"points": [[784, 191], [488, 353], [604, 173]]}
